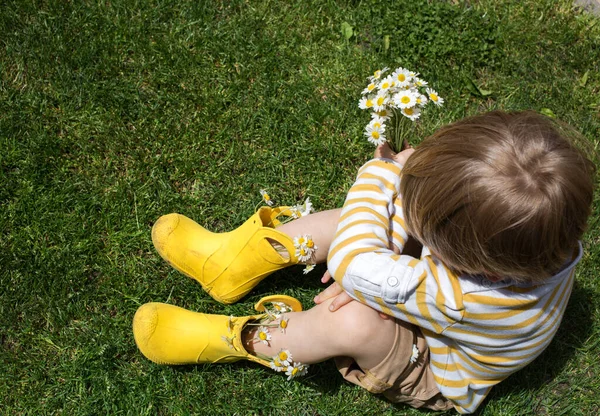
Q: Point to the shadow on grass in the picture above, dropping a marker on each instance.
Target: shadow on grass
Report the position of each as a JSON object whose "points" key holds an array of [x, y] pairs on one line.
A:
{"points": [[292, 279]]}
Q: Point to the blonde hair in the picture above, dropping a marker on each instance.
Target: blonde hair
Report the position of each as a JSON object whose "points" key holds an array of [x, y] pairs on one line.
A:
{"points": [[499, 194]]}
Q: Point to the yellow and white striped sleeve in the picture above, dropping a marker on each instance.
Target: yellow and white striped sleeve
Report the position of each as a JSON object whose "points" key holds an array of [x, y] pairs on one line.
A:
{"points": [[365, 219], [398, 233], [360, 258]]}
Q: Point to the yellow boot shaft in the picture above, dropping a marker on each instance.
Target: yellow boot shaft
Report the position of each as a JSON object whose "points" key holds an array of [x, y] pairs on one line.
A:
{"points": [[227, 265]]}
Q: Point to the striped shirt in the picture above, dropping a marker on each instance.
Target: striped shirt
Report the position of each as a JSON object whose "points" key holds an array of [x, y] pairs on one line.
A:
{"points": [[478, 331]]}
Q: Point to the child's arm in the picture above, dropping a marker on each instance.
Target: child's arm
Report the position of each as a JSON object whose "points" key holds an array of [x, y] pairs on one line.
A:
{"points": [[360, 258], [397, 231]]}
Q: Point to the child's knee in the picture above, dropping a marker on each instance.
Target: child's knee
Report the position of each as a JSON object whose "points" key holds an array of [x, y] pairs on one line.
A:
{"points": [[357, 323]]}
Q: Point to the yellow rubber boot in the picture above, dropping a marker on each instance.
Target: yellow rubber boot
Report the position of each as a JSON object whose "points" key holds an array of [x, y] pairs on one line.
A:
{"points": [[168, 334], [227, 265]]}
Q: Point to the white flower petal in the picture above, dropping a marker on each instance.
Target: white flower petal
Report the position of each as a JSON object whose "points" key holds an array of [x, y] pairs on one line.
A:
{"points": [[415, 354], [309, 268]]}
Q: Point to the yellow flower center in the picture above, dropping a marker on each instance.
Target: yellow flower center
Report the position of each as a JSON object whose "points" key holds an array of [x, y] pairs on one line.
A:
{"points": [[409, 111], [401, 77], [405, 99], [385, 85], [302, 252], [262, 336], [283, 324], [377, 74], [266, 197], [375, 135], [277, 363], [377, 125], [310, 244], [283, 356], [369, 103], [382, 113], [433, 97], [380, 101], [295, 371], [301, 240], [371, 87]]}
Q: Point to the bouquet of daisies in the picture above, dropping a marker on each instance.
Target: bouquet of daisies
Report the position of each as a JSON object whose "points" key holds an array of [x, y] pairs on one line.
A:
{"points": [[395, 102]]}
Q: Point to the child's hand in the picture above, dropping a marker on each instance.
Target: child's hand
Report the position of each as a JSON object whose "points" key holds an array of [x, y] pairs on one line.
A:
{"points": [[335, 290], [342, 298], [384, 151], [326, 277]]}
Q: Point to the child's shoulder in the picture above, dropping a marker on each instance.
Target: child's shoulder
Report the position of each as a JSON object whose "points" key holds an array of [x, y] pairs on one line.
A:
{"points": [[479, 284]]}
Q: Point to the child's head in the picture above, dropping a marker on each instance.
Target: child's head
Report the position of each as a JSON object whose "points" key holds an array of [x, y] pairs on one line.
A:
{"points": [[499, 194]]}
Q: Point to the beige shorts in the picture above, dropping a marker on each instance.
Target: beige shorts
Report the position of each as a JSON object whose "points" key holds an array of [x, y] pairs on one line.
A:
{"points": [[399, 380]]}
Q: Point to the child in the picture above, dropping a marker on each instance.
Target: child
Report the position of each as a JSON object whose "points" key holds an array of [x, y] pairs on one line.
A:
{"points": [[499, 203]]}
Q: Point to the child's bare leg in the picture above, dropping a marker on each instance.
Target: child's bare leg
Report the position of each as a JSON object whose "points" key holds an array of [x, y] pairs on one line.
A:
{"points": [[320, 225], [317, 334]]}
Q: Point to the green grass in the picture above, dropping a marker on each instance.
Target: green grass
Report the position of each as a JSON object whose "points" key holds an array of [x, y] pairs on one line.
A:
{"points": [[114, 113]]}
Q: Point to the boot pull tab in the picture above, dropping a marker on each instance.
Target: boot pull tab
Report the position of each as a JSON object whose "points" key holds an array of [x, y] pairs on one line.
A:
{"points": [[292, 303], [275, 213]]}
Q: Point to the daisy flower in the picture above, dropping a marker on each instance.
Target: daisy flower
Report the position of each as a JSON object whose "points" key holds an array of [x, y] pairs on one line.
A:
{"points": [[263, 335], [402, 77], [296, 370], [284, 357], [386, 84], [299, 241], [309, 268], [266, 197], [377, 74], [384, 114], [369, 88], [433, 96], [375, 135], [412, 113], [303, 254], [305, 247], [377, 123], [415, 354], [230, 323], [281, 307], [283, 324], [388, 94], [405, 99], [276, 365], [366, 102], [310, 244], [381, 101], [304, 209], [295, 212], [228, 341], [422, 100], [420, 82]]}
